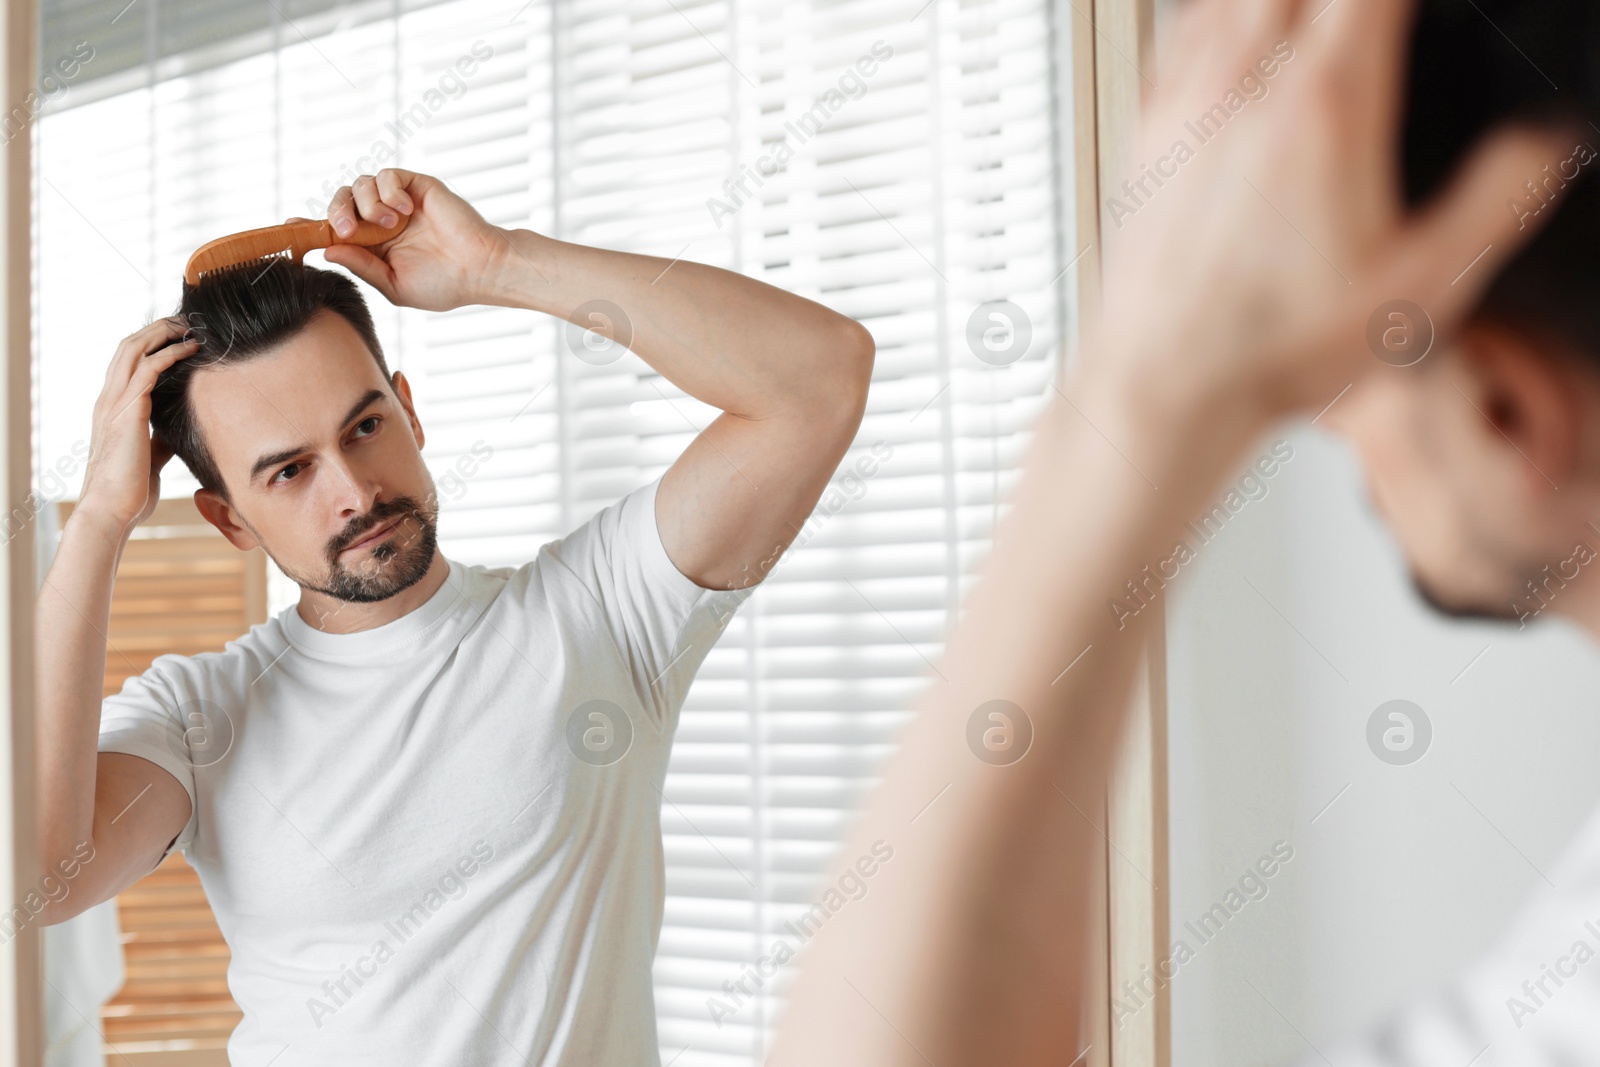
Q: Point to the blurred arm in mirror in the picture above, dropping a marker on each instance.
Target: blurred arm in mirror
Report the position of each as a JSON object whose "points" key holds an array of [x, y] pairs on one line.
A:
{"points": [[1246, 260]]}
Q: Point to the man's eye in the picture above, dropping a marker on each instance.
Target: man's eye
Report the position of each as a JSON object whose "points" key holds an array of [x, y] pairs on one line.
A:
{"points": [[373, 419], [286, 470]]}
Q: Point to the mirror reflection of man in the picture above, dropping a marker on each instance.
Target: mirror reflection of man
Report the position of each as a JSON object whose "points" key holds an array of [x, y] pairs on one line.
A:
{"points": [[425, 801]]}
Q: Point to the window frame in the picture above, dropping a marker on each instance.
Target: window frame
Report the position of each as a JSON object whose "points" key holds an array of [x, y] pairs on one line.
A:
{"points": [[21, 965]]}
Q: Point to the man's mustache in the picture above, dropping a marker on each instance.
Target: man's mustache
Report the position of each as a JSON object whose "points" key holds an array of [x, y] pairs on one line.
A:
{"points": [[379, 515]]}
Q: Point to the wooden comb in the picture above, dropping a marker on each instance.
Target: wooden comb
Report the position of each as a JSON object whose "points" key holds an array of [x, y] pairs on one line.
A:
{"points": [[289, 240]]}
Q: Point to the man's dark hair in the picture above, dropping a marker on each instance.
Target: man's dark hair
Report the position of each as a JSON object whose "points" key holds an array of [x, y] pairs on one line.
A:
{"points": [[1476, 64], [237, 315]]}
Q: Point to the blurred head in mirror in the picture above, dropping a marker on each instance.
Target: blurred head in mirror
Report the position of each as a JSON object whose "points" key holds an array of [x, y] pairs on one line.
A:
{"points": [[1483, 455], [302, 441]]}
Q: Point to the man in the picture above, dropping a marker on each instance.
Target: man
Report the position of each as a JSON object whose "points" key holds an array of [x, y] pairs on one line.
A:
{"points": [[424, 801], [1259, 283]]}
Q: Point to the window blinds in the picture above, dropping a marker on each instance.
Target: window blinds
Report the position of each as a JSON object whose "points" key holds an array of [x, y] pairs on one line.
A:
{"points": [[898, 161]]}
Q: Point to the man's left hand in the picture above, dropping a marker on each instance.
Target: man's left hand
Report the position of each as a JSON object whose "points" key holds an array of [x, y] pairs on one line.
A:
{"points": [[446, 256]]}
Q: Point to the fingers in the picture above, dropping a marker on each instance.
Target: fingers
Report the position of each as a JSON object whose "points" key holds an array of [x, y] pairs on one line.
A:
{"points": [[149, 369], [150, 337], [1358, 23], [143, 379], [1253, 21], [370, 204], [370, 268], [392, 184], [1478, 215], [139, 344], [342, 212], [379, 198], [1215, 42], [1368, 39]]}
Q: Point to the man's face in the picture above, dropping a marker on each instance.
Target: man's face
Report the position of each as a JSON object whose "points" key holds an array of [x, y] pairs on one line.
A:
{"points": [[322, 462], [1482, 461]]}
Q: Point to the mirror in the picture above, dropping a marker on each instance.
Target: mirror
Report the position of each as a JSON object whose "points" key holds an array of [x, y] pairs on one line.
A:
{"points": [[907, 165]]}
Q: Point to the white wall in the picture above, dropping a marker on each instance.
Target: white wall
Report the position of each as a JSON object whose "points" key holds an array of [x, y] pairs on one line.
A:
{"points": [[1414, 868]]}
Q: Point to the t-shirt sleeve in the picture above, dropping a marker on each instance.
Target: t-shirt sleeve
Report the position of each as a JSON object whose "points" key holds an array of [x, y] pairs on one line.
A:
{"points": [[145, 719], [661, 620]]}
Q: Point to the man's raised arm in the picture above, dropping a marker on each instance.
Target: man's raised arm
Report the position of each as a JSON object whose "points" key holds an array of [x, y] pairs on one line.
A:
{"points": [[105, 818], [973, 945], [790, 375]]}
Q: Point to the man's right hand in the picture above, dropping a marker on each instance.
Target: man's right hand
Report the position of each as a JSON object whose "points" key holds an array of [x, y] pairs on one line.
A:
{"points": [[123, 479], [1248, 278]]}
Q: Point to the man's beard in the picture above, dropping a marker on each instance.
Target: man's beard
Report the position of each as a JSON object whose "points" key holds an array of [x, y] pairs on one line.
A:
{"points": [[401, 560], [1452, 609]]}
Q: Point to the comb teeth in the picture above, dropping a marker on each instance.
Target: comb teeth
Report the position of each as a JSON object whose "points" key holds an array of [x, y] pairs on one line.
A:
{"points": [[253, 267]]}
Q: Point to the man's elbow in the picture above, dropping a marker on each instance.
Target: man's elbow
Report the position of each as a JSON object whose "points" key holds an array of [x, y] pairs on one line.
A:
{"points": [[68, 885], [826, 393], [55, 912], [54, 900], [849, 376], [861, 350]]}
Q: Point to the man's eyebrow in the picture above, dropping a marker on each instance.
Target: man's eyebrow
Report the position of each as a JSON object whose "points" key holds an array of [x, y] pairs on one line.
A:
{"points": [[284, 455]]}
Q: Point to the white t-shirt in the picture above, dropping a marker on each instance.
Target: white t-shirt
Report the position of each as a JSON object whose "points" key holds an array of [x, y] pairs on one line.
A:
{"points": [[438, 841], [1531, 1000]]}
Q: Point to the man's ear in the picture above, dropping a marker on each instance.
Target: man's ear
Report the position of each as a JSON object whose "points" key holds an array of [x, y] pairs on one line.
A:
{"points": [[1527, 394], [402, 389], [219, 513]]}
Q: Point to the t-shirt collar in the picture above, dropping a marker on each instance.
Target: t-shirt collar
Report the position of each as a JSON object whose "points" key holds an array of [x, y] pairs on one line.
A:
{"points": [[387, 639]]}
